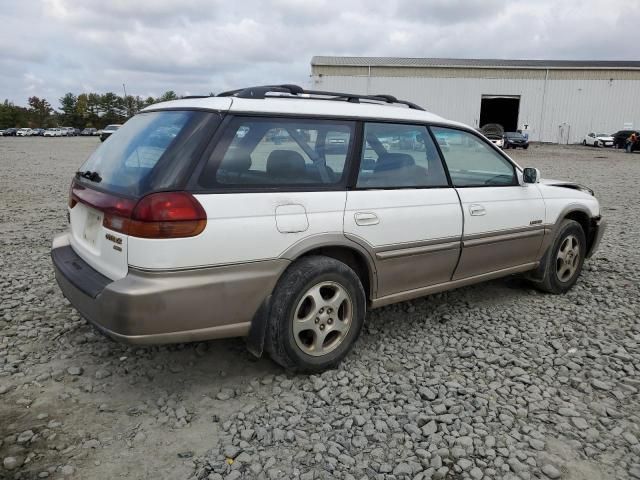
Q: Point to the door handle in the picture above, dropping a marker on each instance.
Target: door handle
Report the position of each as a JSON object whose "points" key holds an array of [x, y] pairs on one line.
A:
{"points": [[477, 210], [364, 219]]}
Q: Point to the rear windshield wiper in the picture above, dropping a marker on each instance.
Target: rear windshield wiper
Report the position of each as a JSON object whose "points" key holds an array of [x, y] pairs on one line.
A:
{"points": [[89, 175]]}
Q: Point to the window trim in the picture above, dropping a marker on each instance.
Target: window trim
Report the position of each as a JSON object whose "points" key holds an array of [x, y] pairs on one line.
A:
{"points": [[221, 139], [500, 153], [353, 184]]}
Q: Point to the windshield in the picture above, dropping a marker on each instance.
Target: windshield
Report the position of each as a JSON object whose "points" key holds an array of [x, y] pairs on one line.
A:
{"points": [[602, 134], [513, 135], [124, 162]]}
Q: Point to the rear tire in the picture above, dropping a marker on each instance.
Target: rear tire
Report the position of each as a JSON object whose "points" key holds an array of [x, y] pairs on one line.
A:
{"points": [[525, 147], [317, 312], [564, 259]]}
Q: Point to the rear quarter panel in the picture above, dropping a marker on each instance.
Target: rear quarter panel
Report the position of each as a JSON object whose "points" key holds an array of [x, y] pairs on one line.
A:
{"points": [[242, 227]]}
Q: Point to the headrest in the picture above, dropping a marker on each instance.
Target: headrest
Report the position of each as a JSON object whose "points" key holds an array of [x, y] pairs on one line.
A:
{"points": [[286, 164], [394, 161]]}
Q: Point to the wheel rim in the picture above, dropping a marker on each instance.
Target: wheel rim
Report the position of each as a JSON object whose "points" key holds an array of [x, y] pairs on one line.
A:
{"points": [[322, 318], [568, 258]]}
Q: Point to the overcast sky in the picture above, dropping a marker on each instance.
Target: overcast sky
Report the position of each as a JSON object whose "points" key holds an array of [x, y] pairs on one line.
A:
{"points": [[49, 47]]}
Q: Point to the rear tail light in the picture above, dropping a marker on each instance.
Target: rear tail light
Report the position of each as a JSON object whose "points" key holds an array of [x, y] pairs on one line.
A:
{"points": [[157, 215], [167, 215]]}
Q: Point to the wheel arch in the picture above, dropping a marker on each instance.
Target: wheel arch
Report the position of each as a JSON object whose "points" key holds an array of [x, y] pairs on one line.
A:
{"points": [[341, 248]]}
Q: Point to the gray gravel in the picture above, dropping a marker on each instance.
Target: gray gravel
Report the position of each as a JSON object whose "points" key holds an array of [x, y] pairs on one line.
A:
{"points": [[490, 381]]}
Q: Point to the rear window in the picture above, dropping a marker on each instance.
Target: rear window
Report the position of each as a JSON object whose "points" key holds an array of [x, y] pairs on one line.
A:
{"points": [[124, 162], [263, 152]]}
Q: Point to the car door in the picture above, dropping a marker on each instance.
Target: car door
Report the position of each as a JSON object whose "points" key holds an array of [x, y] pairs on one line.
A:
{"points": [[503, 219], [403, 209]]}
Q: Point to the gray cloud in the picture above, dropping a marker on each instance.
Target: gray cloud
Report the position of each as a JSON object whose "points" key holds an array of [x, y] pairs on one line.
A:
{"points": [[198, 46]]}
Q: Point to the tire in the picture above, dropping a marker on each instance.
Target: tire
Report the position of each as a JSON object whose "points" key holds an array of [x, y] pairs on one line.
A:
{"points": [[584, 142], [525, 147], [307, 289], [559, 275]]}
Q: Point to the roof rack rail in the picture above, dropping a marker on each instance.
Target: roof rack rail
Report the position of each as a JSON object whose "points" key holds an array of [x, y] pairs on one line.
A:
{"points": [[294, 91]]}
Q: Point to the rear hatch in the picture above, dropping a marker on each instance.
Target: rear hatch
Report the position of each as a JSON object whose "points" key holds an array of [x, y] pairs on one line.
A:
{"points": [[152, 152]]}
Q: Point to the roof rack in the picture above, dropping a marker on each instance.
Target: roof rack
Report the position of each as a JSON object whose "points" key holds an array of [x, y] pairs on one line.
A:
{"points": [[294, 91]]}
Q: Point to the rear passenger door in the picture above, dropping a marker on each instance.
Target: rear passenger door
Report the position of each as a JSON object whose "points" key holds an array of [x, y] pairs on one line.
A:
{"points": [[503, 219], [269, 183], [403, 210]]}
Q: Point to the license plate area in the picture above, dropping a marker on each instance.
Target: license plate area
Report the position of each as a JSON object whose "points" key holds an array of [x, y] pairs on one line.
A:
{"points": [[92, 227]]}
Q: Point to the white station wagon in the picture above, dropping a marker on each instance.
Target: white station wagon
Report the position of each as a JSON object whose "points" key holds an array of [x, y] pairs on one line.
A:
{"points": [[282, 215]]}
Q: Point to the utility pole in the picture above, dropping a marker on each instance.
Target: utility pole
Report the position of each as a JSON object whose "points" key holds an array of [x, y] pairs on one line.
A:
{"points": [[126, 105]]}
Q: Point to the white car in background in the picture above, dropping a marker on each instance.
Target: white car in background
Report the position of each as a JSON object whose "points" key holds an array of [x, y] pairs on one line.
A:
{"points": [[598, 140], [24, 132], [53, 132]]}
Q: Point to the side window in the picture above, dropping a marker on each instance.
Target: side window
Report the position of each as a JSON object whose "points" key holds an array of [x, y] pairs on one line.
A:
{"points": [[396, 156], [471, 161], [272, 152]]}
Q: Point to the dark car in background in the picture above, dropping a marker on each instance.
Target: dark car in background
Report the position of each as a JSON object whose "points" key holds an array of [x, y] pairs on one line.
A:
{"points": [[108, 131], [515, 140], [621, 136], [10, 132], [88, 132]]}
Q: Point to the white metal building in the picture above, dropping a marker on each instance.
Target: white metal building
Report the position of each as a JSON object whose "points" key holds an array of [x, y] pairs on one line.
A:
{"points": [[560, 101]]}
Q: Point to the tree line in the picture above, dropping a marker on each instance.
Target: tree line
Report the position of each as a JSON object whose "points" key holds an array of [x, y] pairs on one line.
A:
{"points": [[85, 110]]}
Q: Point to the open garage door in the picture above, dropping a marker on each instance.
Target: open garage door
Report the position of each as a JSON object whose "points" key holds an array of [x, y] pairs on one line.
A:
{"points": [[500, 109]]}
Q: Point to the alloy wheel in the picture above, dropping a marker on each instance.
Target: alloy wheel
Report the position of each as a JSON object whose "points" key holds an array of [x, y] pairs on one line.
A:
{"points": [[322, 318], [568, 258]]}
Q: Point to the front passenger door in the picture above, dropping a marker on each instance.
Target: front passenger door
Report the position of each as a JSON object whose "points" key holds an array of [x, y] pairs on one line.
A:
{"points": [[503, 220]]}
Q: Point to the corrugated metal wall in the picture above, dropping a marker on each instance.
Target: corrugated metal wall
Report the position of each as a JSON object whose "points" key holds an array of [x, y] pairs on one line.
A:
{"points": [[562, 108]]}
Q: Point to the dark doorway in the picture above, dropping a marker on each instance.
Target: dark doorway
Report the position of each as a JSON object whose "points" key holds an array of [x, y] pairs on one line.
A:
{"points": [[500, 109]]}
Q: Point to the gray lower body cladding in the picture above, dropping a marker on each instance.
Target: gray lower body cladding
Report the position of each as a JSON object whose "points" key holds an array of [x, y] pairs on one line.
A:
{"points": [[169, 307]]}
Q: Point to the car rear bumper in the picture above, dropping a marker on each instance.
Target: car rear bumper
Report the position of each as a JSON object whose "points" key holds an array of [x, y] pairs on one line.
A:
{"points": [[598, 225], [166, 307]]}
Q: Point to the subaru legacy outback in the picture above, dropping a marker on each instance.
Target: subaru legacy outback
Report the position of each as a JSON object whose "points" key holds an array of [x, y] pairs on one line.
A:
{"points": [[282, 215]]}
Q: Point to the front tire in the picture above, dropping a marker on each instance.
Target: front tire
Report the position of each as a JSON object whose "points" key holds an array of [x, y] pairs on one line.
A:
{"points": [[584, 142], [564, 259], [317, 312]]}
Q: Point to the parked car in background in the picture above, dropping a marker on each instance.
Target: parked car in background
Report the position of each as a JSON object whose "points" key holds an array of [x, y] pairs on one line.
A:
{"points": [[515, 140], [494, 132], [88, 132], [53, 132], [24, 132], [10, 132], [620, 137], [598, 140], [38, 131], [1, 133], [108, 131], [173, 238]]}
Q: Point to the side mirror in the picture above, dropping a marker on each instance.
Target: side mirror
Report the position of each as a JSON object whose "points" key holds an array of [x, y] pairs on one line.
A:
{"points": [[531, 175]]}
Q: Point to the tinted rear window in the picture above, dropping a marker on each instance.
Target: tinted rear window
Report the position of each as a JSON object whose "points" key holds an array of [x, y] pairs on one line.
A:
{"points": [[127, 158], [279, 152]]}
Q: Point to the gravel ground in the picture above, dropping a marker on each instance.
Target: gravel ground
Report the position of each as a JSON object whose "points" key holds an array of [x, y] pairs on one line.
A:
{"points": [[490, 381]]}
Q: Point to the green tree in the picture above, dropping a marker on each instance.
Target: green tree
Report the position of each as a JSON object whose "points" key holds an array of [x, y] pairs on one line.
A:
{"points": [[112, 107], [39, 110], [168, 95], [68, 105]]}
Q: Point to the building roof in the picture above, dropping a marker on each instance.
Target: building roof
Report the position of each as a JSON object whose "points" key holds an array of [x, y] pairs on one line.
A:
{"points": [[472, 63]]}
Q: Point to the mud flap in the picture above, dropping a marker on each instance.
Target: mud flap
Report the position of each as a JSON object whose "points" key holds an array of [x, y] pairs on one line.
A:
{"points": [[258, 330]]}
